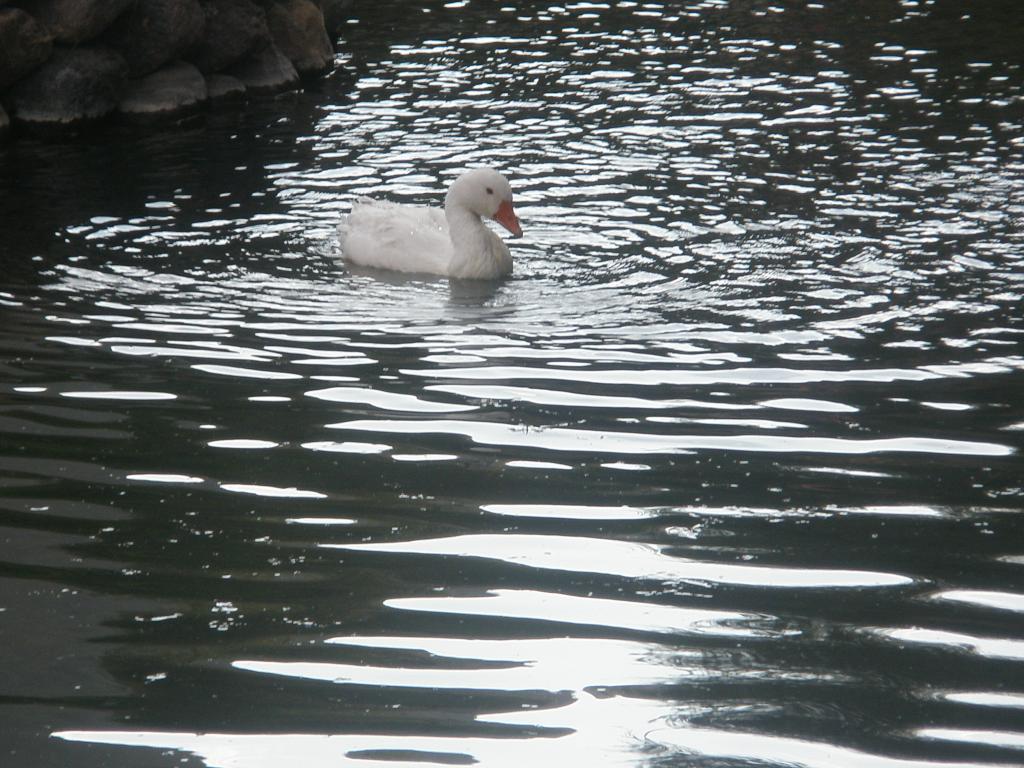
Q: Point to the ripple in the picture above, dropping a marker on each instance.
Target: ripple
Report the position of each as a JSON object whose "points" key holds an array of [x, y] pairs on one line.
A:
{"points": [[634, 443], [243, 443], [321, 521], [246, 373], [627, 560], [761, 344], [911, 510], [991, 647], [424, 457], [619, 614], [548, 664], [600, 731], [527, 464], [271, 491], [661, 377], [347, 447], [992, 738], [388, 401], [569, 511], [119, 395], [736, 745], [987, 698], [1005, 601], [805, 404], [162, 477], [574, 399]]}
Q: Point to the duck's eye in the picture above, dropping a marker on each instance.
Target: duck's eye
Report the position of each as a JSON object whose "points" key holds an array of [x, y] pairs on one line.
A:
{"points": [[490, 191]]}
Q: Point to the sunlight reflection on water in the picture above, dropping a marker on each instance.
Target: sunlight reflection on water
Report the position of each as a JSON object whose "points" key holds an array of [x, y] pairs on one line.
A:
{"points": [[726, 473]]}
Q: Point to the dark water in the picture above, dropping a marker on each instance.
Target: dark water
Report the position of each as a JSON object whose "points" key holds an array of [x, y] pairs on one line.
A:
{"points": [[729, 473]]}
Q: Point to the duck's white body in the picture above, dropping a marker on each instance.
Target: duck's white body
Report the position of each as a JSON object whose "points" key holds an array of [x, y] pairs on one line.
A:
{"points": [[454, 242]]}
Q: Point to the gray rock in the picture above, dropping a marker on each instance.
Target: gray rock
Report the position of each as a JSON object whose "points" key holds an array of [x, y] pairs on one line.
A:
{"points": [[297, 27], [75, 85], [336, 15], [233, 30], [154, 32], [24, 45], [174, 90], [75, 21], [224, 87], [266, 71]]}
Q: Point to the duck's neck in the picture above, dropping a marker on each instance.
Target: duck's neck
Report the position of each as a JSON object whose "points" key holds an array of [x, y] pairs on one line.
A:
{"points": [[472, 250]]}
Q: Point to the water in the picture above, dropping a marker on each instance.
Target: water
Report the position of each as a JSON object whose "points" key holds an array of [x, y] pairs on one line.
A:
{"points": [[728, 473]]}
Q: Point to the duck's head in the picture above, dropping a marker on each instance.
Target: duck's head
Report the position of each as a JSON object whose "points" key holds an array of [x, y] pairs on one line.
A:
{"points": [[486, 193]]}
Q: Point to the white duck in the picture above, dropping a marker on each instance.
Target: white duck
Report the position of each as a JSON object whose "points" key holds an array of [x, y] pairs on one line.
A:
{"points": [[453, 243]]}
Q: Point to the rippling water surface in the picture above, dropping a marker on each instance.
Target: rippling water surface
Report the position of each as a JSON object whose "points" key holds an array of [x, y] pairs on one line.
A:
{"points": [[728, 474]]}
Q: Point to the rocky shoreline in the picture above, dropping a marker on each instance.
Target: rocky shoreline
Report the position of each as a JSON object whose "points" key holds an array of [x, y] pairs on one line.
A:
{"points": [[67, 63]]}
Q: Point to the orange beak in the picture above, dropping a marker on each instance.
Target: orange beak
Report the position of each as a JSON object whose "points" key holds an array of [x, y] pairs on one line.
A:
{"points": [[507, 218]]}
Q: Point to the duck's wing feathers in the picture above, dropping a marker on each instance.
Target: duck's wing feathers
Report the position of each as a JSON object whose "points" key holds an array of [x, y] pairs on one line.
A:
{"points": [[406, 238]]}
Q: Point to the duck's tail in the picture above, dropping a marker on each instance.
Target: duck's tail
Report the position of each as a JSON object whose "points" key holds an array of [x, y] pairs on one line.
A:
{"points": [[344, 226]]}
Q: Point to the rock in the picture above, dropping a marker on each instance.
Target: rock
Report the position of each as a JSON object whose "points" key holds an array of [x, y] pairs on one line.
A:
{"points": [[224, 87], [266, 71], [297, 27], [24, 45], [233, 30], [75, 85], [176, 89], [75, 21], [336, 15], [5, 124], [154, 32]]}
